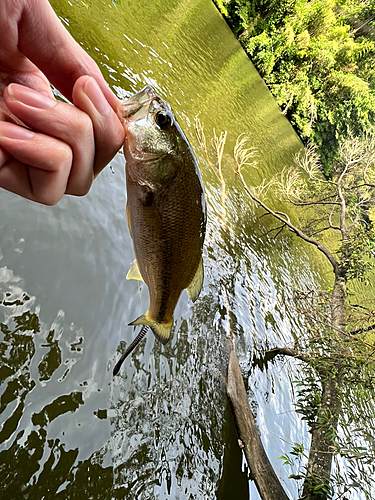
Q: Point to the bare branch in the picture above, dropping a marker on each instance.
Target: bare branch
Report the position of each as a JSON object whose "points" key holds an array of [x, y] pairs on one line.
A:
{"points": [[363, 330], [331, 225], [312, 203], [202, 141], [218, 143], [343, 227], [285, 220], [309, 162], [318, 231], [285, 351], [243, 155]]}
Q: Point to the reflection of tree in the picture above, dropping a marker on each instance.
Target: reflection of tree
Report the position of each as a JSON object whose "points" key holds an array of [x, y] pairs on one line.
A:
{"points": [[52, 359], [16, 350], [164, 440], [34, 466], [18, 346], [344, 206], [61, 477]]}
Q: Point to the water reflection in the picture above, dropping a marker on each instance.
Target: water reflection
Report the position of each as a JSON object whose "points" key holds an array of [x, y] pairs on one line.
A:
{"points": [[161, 435]]}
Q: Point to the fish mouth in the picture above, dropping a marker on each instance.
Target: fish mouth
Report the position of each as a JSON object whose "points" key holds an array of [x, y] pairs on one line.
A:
{"points": [[143, 132], [131, 107]]}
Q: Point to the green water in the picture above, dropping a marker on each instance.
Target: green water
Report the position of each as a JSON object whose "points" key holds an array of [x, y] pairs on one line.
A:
{"points": [[162, 429]]}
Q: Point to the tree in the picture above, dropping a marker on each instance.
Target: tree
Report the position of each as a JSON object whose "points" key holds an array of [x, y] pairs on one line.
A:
{"points": [[317, 58], [338, 219]]}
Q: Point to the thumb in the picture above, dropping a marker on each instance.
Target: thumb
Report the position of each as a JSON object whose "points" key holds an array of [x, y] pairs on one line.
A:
{"points": [[45, 41]]}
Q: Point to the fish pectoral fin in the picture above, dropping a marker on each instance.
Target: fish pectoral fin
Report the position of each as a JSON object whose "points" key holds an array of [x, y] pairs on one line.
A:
{"points": [[134, 273], [128, 219], [162, 331], [196, 283]]}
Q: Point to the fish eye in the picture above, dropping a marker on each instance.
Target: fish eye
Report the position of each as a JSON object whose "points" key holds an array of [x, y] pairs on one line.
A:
{"points": [[162, 119]]}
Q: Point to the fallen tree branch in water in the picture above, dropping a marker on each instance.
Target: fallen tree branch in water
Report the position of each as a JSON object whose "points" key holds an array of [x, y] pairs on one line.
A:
{"points": [[285, 351], [265, 478]]}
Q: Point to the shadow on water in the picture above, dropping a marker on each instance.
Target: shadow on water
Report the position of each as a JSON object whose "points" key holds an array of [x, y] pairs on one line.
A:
{"points": [[235, 471], [162, 429]]}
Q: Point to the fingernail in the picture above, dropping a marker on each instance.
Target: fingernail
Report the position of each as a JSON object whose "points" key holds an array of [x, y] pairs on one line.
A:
{"points": [[96, 96], [30, 97], [12, 131]]}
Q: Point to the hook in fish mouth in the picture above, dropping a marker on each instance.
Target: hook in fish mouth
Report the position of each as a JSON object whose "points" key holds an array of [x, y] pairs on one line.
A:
{"points": [[130, 348], [132, 105]]}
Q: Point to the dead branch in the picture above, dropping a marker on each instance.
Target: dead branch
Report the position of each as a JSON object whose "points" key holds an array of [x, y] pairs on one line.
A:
{"points": [[286, 351], [291, 226]]}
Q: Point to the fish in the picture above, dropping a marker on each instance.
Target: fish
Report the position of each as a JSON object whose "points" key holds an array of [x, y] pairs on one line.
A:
{"points": [[166, 210]]}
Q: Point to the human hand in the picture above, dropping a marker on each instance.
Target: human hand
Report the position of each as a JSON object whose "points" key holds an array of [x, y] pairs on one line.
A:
{"points": [[64, 147]]}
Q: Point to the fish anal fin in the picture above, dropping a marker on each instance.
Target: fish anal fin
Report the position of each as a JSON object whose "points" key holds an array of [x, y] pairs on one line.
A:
{"points": [[196, 283], [134, 273], [162, 331]]}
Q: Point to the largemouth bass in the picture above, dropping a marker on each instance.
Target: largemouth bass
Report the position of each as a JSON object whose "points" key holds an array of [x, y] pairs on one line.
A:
{"points": [[165, 209]]}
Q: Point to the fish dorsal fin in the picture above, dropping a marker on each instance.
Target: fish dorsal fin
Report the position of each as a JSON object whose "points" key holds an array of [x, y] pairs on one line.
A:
{"points": [[196, 283], [134, 273], [162, 331]]}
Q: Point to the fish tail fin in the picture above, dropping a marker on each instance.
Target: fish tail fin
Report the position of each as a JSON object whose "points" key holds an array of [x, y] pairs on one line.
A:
{"points": [[162, 331]]}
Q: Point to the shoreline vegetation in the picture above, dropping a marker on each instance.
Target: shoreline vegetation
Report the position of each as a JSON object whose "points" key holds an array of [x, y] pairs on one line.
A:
{"points": [[317, 58]]}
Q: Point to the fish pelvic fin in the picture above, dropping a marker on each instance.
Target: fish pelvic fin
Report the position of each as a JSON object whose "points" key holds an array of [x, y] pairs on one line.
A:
{"points": [[162, 331], [134, 273], [196, 283]]}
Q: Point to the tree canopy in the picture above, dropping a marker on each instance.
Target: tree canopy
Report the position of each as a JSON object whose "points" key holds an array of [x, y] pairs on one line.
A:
{"points": [[317, 58]]}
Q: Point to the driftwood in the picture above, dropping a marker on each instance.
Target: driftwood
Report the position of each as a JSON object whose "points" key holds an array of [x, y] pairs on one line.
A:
{"points": [[265, 478]]}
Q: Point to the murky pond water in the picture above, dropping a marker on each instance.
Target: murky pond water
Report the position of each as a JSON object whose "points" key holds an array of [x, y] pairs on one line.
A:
{"points": [[162, 429]]}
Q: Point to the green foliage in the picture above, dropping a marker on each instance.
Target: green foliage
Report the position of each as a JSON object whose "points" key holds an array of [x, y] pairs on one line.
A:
{"points": [[317, 487], [353, 444], [318, 59], [309, 395], [221, 4], [356, 258]]}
